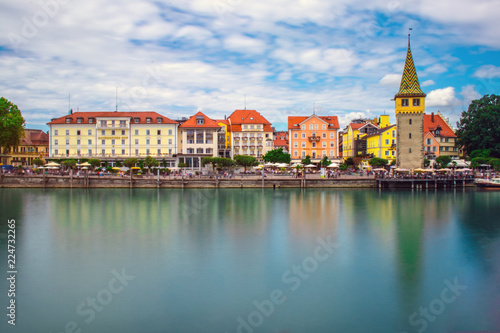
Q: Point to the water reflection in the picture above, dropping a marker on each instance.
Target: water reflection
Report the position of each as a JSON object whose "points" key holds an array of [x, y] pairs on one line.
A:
{"points": [[202, 257]]}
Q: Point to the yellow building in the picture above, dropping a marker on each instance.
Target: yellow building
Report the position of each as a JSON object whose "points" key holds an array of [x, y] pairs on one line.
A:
{"points": [[353, 143], [382, 143], [34, 144], [224, 136], [113, 136]]}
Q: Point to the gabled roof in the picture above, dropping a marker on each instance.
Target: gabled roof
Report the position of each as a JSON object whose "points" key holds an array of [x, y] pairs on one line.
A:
{"points": [[380, 131], [239, 117], [409, 81], [34, 137], [295, 122], [142, 115], [222, 121], [280, 143], [357, 126], [207, 122], [444, 129]]}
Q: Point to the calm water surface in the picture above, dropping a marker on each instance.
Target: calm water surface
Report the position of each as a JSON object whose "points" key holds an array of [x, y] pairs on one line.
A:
{"points": [[252, 260]]}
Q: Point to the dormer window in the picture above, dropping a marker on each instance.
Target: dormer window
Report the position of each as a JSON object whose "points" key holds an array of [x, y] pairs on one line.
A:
{"points": [[136, 120], [200, 120], [68, 120], [79, 120], [158, 120], [148, 120], [91, 120]]}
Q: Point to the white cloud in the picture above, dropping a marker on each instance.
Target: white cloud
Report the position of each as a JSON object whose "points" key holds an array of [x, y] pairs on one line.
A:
{"points": [[392, 80], [428, 83], [441, 97], [244, 44], [487, 71]]}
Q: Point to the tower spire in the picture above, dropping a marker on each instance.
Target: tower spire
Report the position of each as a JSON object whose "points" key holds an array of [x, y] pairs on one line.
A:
{"points": [[409, 81]]}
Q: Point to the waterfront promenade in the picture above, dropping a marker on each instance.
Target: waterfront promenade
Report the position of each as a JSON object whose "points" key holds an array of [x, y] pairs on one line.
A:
{"points": [[236, 181]]}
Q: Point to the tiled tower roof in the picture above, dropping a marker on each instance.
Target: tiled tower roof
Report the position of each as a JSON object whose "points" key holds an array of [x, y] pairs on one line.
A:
{"points": [[409, 82]]}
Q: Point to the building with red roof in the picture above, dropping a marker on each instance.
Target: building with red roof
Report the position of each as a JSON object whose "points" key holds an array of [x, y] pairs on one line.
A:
{"points": [[198, 138], [314, 136], [439, 137], [251, 133], [34, 144], [281, 140], [114, 136]]}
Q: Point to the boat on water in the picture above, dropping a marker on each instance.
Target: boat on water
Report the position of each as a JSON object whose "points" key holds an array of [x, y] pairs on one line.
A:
{"points": [[493, 183]]}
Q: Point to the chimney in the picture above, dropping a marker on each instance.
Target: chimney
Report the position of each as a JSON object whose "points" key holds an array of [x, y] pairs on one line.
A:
{"points": [[224, 117], [71, 111], [432, 116]]}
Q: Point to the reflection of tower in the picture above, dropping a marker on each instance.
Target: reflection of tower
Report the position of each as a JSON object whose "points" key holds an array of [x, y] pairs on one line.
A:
{"points": [[410, 107]]}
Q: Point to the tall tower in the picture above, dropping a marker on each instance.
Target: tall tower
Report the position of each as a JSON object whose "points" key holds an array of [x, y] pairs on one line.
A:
{"points": [[410, 108]]}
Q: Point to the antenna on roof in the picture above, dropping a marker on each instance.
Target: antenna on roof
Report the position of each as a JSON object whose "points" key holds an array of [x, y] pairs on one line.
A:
{"points": [[314, 108], [69, 102], [116, 98], [245, 102]]}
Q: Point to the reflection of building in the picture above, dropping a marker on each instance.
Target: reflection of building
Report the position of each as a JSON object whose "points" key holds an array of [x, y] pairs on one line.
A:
{"points": [[34, 144], [251, 133], [314, 136], [198, 137], [410, 107], [113, 136], [439, 137]]}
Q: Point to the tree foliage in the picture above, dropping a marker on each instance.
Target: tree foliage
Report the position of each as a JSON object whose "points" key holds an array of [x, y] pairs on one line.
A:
{"points": [[306, 160], [443, 161], [480, 153], [95, 162], [37, 161], [277, 156], [478, 127], [246, 161], [325, 161], [151, 162], [70, 164], [378, 162], [11, 125], [129, 162]]}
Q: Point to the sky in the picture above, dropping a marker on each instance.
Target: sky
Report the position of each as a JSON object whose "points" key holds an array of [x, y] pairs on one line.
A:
{"points": [[280, 57]]}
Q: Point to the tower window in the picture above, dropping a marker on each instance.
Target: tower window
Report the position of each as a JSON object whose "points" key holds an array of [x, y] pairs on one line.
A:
{"points": [[409, 150], [405, 102], [409, 121], [416, 102], [409, 135]]}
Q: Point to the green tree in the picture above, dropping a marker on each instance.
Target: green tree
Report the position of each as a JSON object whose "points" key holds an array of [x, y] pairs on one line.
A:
{"points": [[325, 161], [95, 162], [151, 162], [478, 127], [130, 162], [246, 161], [182, 165], [349, 161], [378, 162], [480, 153], [477, 161], [11, 125], [70, 164], [443, 161], [306, 160], [427, 162], [495, 163], [277, 156], [38, 162]]}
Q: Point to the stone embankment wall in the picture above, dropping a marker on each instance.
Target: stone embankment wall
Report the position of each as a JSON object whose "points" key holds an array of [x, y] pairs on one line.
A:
{"points": [[119, 182]]}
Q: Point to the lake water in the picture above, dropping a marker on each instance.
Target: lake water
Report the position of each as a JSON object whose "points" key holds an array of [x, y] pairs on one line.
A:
{"points": [[315, 260]]}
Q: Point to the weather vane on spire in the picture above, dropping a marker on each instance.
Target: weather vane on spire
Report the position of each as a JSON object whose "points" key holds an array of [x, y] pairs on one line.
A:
{"points": [[409, 29]]}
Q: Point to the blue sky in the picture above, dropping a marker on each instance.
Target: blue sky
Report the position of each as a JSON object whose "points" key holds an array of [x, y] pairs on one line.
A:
{"points": [[281, 56]]}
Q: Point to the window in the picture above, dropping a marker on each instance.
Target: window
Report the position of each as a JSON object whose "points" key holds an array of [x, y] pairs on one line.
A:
{"points": [[103, 142], [409, 121], [56, 132], [136, 132], [303, 135], [136, 120], [112, 132], [295, 135], [324, 135], [324, 144], [112, 123], [393, 134], [199, 151], [148, 120], [104, 123], [147, 132], [136, 141], [316, 126], [303, 127], [90, 142], [78, 132], [332, 135], [332, 144], [90, 152], [123, 123], [103, 151], [429, 141], [190, 151], [303, 154], [78, 142], [405, 102], [324, 127], [123, 132], [303, 144], [409, 150], [295, 153], [137, 152], [91, 121], [169, 141], [409, 135], [147, 151], [158, 120], [311, 127], [332, 153], [252, 127], [56, 142], [68, 120], [113, 141], [314, 144], [103, 132], [123, 141], [56, 151], [158, 132], [123, 151], [147, 141], [445, 139], [159, 150], [387, 141], [386, 153], [393, 153], [169, 132], [67, 141], [67, 132], [113, 152], [90, 132], [159, 141], [416, 102], [295, 144]]}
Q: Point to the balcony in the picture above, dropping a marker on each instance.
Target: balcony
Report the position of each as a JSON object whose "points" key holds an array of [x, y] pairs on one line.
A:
{"points": [[259, 147], [244, 138], [252, 139], [244, 147], [252, 146], [314, 139], [236, 138], [393, 146], [259, 138]]}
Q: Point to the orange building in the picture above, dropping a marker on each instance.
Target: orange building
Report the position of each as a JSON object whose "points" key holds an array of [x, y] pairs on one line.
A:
{"points": [[315, 136], [439, 137]]}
